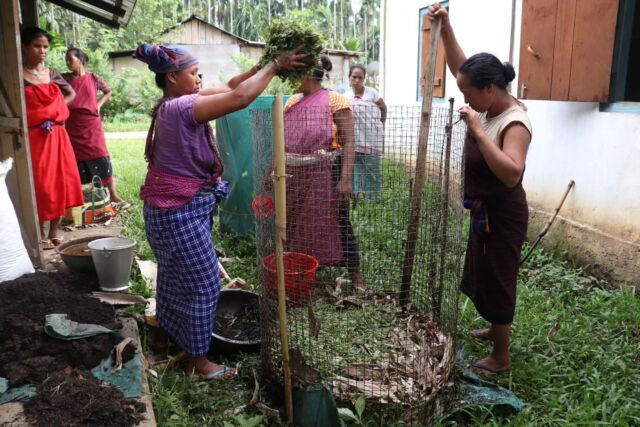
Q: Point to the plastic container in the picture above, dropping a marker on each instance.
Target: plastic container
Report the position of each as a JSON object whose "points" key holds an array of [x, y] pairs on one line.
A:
{"points": [[112, 258], [299, 276]]}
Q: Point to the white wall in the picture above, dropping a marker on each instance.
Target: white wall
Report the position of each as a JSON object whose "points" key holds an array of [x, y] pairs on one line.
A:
{"points": [[600, 151]]}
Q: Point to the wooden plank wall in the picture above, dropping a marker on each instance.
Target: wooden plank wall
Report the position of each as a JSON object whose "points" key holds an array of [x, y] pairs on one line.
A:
{"points": [[15, 143]]}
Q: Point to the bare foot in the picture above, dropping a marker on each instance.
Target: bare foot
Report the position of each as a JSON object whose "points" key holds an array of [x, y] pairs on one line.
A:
{"points": [[482, 334], [358, 282], [493, 365]]}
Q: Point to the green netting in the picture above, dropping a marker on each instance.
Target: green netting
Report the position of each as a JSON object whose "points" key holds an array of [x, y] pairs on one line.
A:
{"points": [[233, 132]]}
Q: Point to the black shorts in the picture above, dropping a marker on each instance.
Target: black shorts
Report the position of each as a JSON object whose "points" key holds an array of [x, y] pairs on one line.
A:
{"points": [[98, 167]]}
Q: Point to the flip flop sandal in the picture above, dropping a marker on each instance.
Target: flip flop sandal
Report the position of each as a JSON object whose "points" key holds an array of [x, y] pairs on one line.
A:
{"points": [[222, 374], [56, 240], [486, 369], [121, 206], [47, 244]]}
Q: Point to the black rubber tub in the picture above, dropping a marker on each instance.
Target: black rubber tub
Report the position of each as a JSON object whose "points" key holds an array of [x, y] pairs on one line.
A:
{"points": [[237, 327]]}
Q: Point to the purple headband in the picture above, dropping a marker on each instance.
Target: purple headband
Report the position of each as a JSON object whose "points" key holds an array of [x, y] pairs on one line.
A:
{"points": [[164, 59]]}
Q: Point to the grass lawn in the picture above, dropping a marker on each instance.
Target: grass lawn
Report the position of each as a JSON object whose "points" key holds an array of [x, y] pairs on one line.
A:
{"points": [[126, 126], [587, 374]]}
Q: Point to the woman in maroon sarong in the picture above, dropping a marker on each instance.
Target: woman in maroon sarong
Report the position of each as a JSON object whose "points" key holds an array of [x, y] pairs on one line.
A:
{"points": [[55, 175], [498, 138], [320, 168], [85, 125]]}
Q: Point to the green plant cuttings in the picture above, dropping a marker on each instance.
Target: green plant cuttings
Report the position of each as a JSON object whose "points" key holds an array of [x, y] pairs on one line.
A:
{"points": [[286, 35]]}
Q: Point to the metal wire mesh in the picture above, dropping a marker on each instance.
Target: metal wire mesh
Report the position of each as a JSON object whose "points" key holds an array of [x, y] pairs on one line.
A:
{"points": [[363, 340]]}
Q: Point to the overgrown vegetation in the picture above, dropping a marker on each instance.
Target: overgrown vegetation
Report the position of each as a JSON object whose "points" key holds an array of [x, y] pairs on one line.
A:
{"points": [[345, 24], [576, 357]]}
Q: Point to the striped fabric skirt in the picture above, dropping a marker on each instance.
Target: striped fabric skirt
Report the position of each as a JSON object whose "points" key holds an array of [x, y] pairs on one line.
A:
{"points": [[188, 283]]}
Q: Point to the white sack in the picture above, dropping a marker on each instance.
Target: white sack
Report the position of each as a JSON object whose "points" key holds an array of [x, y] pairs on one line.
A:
{"points": [[14, 260]]}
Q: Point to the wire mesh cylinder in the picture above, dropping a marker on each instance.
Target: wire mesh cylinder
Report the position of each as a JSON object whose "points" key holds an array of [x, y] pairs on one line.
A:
{"points": [[348, 330]]}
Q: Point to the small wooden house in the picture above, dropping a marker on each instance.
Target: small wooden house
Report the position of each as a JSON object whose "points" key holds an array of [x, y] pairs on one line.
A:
{"points": [[217, 50]]}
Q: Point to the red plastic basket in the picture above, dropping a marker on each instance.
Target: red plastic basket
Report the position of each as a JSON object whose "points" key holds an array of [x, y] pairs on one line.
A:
{"points": [[299, 275]]}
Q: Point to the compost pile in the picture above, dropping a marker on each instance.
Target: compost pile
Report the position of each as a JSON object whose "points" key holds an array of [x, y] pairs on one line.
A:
{"points": [[244, 325], [285, 35], [29, 356], [78, 399], [424, 357]]}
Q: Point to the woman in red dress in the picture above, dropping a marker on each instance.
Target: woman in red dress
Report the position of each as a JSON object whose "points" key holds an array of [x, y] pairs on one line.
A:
{"points": [[84, 125], [55, 174]]}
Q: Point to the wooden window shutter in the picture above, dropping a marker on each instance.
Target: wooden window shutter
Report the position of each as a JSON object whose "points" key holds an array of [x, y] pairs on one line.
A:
{"points": [[566, 49], [438, 83]]}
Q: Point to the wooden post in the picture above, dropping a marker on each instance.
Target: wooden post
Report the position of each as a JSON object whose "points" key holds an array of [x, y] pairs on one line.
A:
{"points": [[281, 237], [416, 201], [437, 305], [14, 134], [29, 13]]}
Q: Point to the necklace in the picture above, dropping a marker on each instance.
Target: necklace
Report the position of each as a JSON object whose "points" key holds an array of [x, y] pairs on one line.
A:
{"points": [[42, 73]]}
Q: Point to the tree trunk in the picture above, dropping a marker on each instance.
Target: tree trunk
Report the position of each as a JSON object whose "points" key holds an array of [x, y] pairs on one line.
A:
{"points": [[366, 50]]}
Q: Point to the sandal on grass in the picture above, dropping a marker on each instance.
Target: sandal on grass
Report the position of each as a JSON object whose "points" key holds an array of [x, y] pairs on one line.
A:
{"points": [[222, 374], [46, 244], [121, 206], [485, 369]]}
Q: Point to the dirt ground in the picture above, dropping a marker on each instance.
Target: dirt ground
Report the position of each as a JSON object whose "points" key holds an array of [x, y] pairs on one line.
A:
{"points": [[28, 355], [53, 262], [79, 399]]}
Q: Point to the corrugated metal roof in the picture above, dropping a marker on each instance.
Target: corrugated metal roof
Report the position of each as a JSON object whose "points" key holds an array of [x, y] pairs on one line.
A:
{"points": [[114, 13]]}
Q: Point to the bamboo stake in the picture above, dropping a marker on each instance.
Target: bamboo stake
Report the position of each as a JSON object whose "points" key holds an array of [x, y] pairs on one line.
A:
{"points": [[416, 202], [437, 306], [281, 236]]}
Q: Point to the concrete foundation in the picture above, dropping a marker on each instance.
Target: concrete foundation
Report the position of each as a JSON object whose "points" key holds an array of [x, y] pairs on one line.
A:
{"points": [[605, 255]]}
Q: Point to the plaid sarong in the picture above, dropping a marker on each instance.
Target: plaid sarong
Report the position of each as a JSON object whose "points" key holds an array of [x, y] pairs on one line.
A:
{"points": [[188, 283]]}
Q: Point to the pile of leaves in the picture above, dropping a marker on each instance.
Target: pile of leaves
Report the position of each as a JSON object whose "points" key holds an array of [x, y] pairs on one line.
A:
{"points": [[285, 35], [423, 359]]}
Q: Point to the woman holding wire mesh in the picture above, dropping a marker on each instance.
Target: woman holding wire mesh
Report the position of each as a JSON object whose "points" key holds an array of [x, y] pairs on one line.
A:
{"points": [[498, 137], [319, 145]]}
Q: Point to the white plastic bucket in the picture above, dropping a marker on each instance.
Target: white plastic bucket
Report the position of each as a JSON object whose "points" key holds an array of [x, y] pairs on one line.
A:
{"points": [[113, 257]]}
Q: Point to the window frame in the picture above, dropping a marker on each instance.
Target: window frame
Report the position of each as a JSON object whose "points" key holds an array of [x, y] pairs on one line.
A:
{"points": [[621, 53], [421, 13]]}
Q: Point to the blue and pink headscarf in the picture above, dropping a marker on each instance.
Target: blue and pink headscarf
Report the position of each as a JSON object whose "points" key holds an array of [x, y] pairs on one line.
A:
{"points": [[164, 59]]}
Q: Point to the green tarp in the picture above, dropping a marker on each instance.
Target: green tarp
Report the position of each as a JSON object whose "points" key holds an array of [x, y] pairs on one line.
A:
{"points": [[233, 133]]}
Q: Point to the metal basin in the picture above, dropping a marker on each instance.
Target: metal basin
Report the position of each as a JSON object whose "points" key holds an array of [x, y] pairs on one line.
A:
{"points": [[77, 255], [237, 327]]}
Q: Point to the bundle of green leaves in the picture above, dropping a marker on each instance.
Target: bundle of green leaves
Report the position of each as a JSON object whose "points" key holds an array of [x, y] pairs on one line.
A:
{"points": [[285, 35]]}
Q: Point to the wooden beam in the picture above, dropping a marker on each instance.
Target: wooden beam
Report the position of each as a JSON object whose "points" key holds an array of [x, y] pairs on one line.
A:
{"points": [[107, 7], [106, 20], [29, 13], [16, 145], [7, 111], [12, 123]]}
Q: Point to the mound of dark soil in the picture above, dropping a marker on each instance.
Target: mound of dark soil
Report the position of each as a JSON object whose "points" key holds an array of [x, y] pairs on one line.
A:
{"points": [[81, 400], [27, 354]]}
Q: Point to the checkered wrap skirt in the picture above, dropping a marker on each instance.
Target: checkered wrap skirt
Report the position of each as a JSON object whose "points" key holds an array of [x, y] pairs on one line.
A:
{"points": [[188, 283]]}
